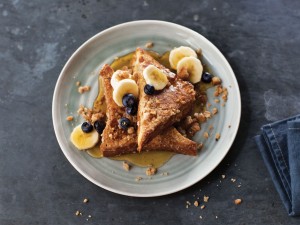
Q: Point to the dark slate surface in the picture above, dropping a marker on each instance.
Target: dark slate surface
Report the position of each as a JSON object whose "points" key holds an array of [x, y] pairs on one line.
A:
{"points": [[261, 40]]}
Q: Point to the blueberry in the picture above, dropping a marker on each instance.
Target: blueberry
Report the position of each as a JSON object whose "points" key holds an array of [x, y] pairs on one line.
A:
{"points": [[149, 89], [99, 126], [86, 127], [132, 110], [206, 77], [129, 100], [124, 123]]}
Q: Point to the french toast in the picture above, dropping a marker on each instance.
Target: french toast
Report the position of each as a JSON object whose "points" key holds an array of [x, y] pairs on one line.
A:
{"points": [[116, 141], [158, 112]]}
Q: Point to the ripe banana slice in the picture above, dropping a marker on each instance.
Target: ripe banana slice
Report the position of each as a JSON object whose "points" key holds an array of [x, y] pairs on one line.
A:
{"points": [[126, 86], [83, 140], [191, 66], [118, 76], [178, 53], [155, 77]]}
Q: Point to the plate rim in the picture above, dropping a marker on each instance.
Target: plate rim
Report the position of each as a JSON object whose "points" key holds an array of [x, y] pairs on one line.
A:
{"points": [[116, 27]]}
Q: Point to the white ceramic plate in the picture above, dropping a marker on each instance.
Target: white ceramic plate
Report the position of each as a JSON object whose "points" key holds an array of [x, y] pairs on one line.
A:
{"points": [[84, 66]]}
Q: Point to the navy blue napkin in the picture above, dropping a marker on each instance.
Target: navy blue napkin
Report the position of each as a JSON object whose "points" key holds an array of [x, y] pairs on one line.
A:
{"points": [[279, 145]]}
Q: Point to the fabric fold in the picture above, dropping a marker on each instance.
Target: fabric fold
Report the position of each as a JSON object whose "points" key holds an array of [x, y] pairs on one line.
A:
{"points": [[279, 144]]}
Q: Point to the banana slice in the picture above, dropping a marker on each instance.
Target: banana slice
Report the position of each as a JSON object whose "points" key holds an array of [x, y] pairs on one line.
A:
{"points": [[155, 77], [118, 76], [126, 86], [192, 67], [83, 140], [178, 53]]}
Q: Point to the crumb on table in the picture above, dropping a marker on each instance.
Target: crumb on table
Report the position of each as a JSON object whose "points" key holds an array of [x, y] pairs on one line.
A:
{"points": [[238, 201], [205, 198]]}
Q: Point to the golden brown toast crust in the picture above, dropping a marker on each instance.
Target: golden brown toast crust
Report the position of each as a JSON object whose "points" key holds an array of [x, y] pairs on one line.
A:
{"points": [[158, 112], [116, 141]]}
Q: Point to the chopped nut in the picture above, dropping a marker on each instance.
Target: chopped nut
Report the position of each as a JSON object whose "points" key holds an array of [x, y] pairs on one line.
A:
{"points": [[187, 122], [83, 89], [188, 203], [207, 114], [196, 203], [151, 171], [149, 45], [199, 51], [216, 81], [205, 198], [195, 127], [85, 200], [223, 176], [200, 217], [78, 83], [96, 116], [138, 179], [126, 166], [206, 135], [201, 118], [199, 146], [130, 130], [70, 118], [218, 136], [233, 180], [202, 206], [217, 100], [214, 111], [78, 213], [237, 201]]}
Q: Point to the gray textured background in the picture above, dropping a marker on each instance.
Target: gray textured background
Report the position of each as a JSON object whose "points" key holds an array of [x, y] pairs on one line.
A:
{"points": [[260, 39]]}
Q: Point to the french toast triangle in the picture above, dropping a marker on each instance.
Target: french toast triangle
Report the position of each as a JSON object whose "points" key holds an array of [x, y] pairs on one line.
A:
{"points": [[116, 141], [158, 112]]}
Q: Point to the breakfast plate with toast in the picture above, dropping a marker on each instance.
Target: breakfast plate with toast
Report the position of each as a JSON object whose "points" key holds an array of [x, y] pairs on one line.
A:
{"points": [[146, 113]]}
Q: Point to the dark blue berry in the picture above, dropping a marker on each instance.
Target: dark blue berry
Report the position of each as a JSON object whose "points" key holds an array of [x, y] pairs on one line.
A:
{"points": [[129, 100], [99, 126], [86, 127], [132, 110], [149, 89], [206, 77], [124, 123]]}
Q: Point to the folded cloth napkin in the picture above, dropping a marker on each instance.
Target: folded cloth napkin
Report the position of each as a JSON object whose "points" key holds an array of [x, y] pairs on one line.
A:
{"points": [[279, 145]]}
